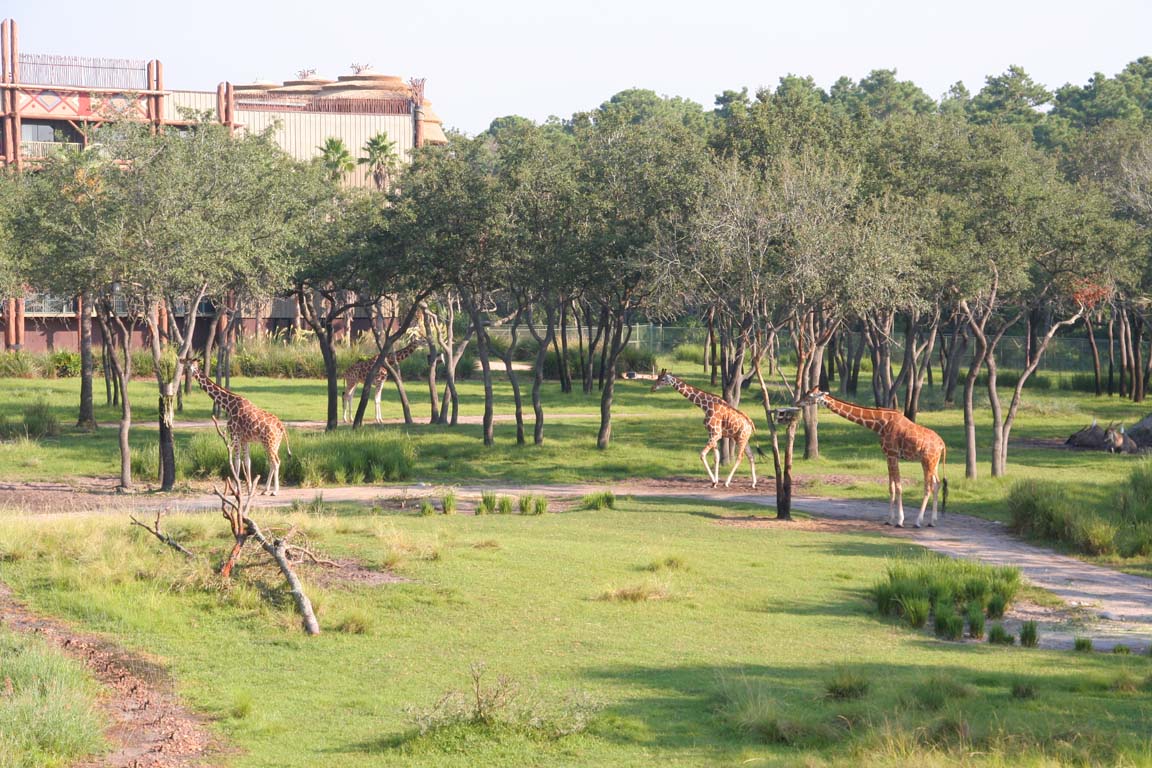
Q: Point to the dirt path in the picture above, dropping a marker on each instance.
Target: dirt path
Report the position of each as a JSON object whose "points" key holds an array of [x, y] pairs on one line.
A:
{"points": [[149, 728]]}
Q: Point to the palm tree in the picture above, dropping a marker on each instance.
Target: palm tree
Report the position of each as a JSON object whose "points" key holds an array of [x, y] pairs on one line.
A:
{"points": [[381, 159], [334, 156]]}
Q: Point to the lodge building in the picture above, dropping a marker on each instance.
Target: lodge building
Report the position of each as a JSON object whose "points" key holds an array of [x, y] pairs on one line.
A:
{"points": [[46, 101]]}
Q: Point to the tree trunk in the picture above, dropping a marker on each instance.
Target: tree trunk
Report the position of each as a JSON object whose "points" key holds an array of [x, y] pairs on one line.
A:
{"points": [[87, 418], [1111, 353], [562, 351], [618, 340], [483, 351], [538, 372], [1095, 354], [121, 369], [398, 380], [1138, 359]]}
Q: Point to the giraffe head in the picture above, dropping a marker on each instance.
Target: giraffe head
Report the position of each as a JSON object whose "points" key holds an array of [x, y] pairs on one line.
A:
{"points": [[815, 396], [193, 365], [663, 380]]}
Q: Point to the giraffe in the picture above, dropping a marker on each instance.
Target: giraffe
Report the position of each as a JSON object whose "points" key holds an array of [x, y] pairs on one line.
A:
{"points": [[722, 420], [246, 424], [900, 438], [358, 372]]}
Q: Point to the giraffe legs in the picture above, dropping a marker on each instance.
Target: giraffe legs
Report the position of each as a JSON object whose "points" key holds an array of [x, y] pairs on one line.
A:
{"points": [[741, 450], [714, 476], [931, 488], [348, 392], [895, 494], [379, 392]]}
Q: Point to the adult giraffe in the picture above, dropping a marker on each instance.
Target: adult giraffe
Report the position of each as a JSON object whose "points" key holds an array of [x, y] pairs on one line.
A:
{"points": [[358, 372], [247, 424], [722, 420], [900, 438]]}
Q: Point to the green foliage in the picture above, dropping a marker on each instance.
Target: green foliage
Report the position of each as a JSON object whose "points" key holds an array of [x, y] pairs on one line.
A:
{"points": [[487, 505], [1083, 644], [540, 505], [915, 610], [524, 504], [38, 421], [504, 505], [949, 624], [754, 709], [846, 685], [47, 715], [1121, 650], [1028, 634], [427, 508], [20, 365], [997, 635], [939, 690], [448, 503], [1043, 512], [951, 588], [1023, 689], [975, 622], [599, 500], [65, 364], [688, 353]]}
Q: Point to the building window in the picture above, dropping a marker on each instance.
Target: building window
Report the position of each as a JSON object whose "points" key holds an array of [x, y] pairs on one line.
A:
{"points": [[47, 131]]}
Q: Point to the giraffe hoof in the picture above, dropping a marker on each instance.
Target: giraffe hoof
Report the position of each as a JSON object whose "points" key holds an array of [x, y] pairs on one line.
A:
{"points": [[917, 525], [899, 525], [887, 522]]}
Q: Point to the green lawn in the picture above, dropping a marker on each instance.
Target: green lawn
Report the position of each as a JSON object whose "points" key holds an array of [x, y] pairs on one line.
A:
{"points": [[729, 667], [654, 435]]}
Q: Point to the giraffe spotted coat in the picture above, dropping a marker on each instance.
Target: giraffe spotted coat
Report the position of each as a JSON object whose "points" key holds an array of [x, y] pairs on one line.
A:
{"points": [[723, 422], [900, 438], [247, 424], [358, 372]]}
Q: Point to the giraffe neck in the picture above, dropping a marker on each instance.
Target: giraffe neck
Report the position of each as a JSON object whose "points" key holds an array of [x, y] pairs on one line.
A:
{"points": [[698, 397], [219, 394], [400, 355], [873, 418]]}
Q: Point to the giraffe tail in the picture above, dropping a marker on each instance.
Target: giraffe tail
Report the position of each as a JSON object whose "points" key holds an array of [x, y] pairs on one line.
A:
{"points": [[760, 451], [943, 481], [287, 447]]}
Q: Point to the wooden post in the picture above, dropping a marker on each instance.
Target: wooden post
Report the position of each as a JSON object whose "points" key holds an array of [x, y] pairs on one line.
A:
{"points": [[9, 323], [220, 116], [159, 92], [150, 99], [19, 324], [6, 147]]}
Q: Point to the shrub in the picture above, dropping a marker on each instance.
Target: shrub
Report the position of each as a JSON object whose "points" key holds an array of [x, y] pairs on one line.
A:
{"points": [[940, 580], [504, 505], [540, 505], [752, 709], [996, 606], [949, 624], [1022, 689], [1121, 649], [915, 610], [975, 622], [1029, 636], [427, 508], [40, 421], [1083, 644], [355, 623], [688, 353], [64, 364], [448, 503], [524, 504], [635, 594], [938, 690], [997, 635], [20, 365], [487, 505], [846, 684], [601, 500]]}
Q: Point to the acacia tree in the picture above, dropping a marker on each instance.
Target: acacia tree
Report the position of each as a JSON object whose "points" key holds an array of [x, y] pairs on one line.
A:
{"points": [[638, 181]]}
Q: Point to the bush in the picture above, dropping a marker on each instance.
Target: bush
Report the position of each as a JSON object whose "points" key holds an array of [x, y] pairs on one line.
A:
{"points": [[997, 635], [949, 625], [915, 610], [601, 500], [37, 421], [1023, 690], [845, 685], [1121, 650], [487, 505], [64, 364], [1083, 644], [540, 505], [504, 505], [975, 622], [996, 606], [449, 503], [427, 508], [1029, 637], [20, 365]]}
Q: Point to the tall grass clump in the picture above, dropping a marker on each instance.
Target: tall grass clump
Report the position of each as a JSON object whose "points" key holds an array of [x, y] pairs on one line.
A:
{"points": [[751, 708], [487, 505], [600, 500], [540, 505], [448, 503], [688, 353], [1029, 637], [1083, 644], [46, 711], [1046, 512], [37, 421], [914, 586], [21, 365]]}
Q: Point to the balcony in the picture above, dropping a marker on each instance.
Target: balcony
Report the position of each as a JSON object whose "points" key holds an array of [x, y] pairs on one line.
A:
{"points": [[38, 150]]}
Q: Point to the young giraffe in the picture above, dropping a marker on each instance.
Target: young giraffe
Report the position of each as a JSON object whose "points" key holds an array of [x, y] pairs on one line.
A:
{"points": [[900, 438], [722, 420], [246, 424], [357, 372]]}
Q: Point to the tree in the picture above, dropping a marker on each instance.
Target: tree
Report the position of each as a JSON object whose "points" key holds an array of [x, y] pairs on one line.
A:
{"points": [[638, 182], [381, 159], [1010, 98], [336, 159]]}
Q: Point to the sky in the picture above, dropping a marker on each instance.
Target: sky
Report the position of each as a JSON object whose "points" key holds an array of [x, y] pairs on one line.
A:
{"points": [[538, 58]]}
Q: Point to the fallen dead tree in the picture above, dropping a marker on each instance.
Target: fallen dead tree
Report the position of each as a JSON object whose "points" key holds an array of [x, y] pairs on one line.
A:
{"points": [[235, 502]]}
